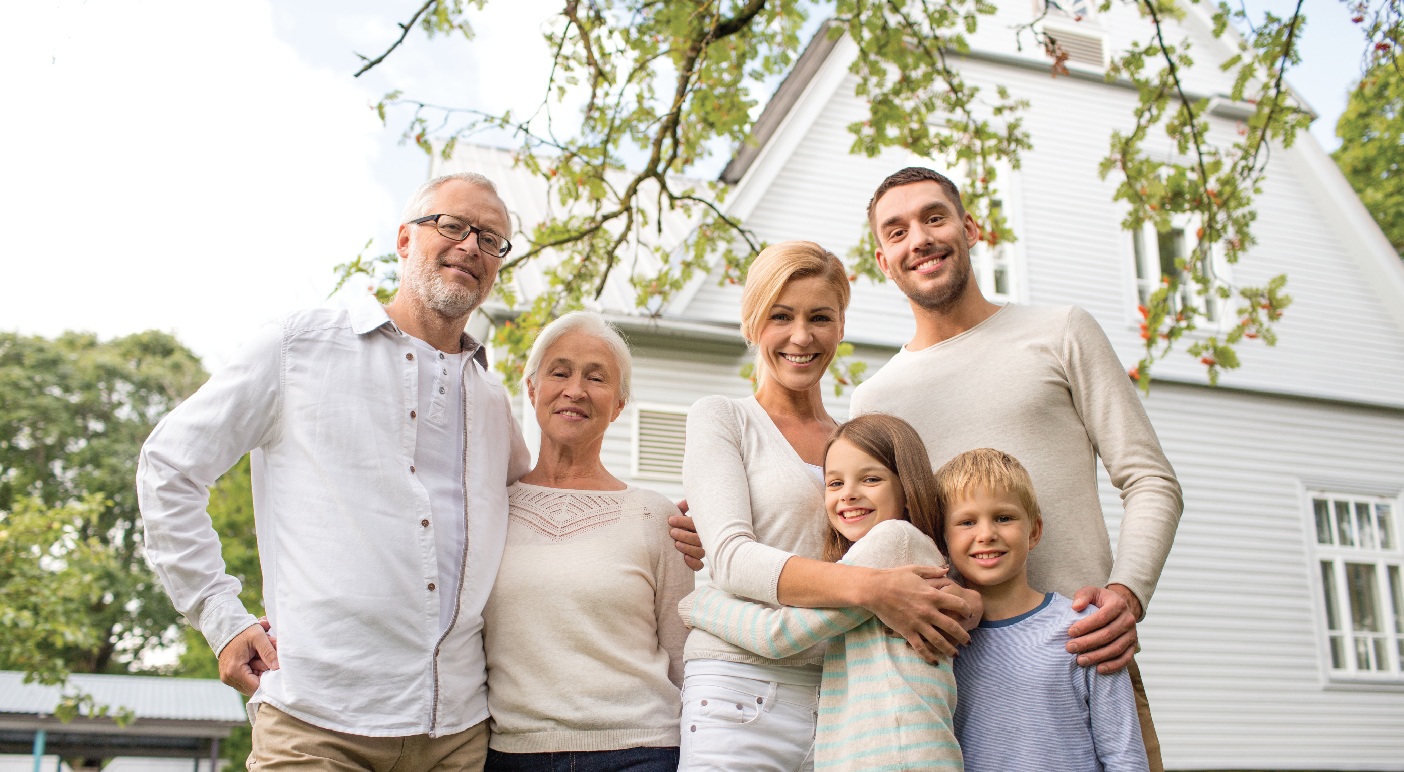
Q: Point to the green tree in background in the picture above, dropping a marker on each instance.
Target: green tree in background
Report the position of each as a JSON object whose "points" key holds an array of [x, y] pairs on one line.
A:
{"points": [[1372, 147], [74, 412]]}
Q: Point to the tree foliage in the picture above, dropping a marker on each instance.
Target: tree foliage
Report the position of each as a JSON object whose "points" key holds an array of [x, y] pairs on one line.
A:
{"points": [[664, 83], [1372, 148], [78, 595]]}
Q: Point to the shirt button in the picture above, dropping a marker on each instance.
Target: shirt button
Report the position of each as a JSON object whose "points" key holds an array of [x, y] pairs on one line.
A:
{"points": [[431, 586], [441, 389], [409, 356], [424, 523], [413, 414], [441, 355], [694, 727], [445, 371], [411, 470], [704, 702]]}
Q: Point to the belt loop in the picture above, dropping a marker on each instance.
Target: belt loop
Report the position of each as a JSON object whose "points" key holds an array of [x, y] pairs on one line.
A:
{"points": [[770, 696]]}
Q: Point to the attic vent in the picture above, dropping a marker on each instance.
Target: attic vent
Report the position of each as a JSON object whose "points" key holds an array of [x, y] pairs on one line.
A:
{"points": [[659, 434], [1081, 47]]}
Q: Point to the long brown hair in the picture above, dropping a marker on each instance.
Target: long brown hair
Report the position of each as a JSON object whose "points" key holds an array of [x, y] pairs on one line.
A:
{"points": [[897, 446]]}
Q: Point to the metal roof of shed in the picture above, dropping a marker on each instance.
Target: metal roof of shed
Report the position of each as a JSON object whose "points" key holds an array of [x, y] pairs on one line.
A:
{"points": [[151, 697]]}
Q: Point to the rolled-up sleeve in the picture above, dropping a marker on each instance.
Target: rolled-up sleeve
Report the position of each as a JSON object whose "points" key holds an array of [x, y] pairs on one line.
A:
{"points": [[233, 413], [716, 480]]}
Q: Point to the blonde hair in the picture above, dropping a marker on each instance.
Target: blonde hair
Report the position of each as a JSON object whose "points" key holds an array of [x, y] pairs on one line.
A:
{"points": [[776, 266], [893, 443], [986, 468]]}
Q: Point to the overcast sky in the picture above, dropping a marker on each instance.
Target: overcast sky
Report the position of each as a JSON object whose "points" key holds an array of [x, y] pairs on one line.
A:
{"points": [[200, 167]]}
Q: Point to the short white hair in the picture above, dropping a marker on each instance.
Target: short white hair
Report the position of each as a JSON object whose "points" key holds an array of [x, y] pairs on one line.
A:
{"points": [[589, 323], [423, 197]]}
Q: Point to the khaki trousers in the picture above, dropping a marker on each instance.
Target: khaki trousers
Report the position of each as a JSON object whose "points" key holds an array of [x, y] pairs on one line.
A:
{"points": [[1147, 726], [282, 743]]}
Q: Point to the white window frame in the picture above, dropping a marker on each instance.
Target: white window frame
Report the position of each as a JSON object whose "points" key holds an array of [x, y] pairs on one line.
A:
{"points": [[634, 439], [1069, 10], [1147, 275], [1343, 649]]}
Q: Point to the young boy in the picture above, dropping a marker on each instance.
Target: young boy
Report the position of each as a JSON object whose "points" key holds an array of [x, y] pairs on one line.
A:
{"points": [[1024, 702]]}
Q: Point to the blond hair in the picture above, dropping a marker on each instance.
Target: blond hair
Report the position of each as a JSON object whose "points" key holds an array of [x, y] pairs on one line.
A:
{"points": [[776, 266], [986, 468]]}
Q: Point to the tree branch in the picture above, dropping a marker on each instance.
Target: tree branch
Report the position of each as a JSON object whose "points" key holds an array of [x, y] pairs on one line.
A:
{"points": [[404, 31]]}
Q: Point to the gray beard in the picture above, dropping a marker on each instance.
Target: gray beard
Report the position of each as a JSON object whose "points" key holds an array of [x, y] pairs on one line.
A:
{"points": [[443, 298]]}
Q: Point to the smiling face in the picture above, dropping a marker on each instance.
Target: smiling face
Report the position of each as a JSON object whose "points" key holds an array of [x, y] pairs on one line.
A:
{"points": [[576, 391], [924, 244], [445, 276], [990, 534], [859, 491], [801, 332]]}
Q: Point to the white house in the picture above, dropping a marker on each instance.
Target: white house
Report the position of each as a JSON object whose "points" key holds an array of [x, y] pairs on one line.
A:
{"points": [[1276, 638]]}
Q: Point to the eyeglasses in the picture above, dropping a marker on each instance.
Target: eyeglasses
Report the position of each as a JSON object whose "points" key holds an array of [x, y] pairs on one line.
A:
{"points": [[458, 229]]}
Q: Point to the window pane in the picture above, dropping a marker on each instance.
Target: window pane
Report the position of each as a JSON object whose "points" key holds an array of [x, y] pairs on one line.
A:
{"points": [[1172, 246], [1323, 521], [1338, 652], [1364, 597], [1362, 654], [1386, 524], [1396, 590], [1343, 524], [1381, 654], [1138, 240], [1365, 525], [1328, 588], [1001, 280]]}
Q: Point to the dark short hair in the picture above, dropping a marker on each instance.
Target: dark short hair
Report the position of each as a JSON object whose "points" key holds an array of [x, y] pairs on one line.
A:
{"points": [[908, 176]]}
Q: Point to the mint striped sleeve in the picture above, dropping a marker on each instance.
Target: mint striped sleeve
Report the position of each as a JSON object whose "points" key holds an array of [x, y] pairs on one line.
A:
{"points": [[758, 628]]}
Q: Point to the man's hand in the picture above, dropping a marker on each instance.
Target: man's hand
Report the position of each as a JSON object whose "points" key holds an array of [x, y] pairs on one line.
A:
{"points": [[1106, 638], [685, 538], [246, 658], [904, 600]]}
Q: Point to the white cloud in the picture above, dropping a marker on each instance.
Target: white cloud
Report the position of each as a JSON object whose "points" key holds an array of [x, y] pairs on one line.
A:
{"points": [[175, 166]]}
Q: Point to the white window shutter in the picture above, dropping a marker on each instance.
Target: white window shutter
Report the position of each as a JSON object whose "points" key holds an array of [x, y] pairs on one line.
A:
{"points": [[660, 432]]}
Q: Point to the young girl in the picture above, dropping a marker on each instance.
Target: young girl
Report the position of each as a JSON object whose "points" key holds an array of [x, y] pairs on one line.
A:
{"points": [[880, 705]]}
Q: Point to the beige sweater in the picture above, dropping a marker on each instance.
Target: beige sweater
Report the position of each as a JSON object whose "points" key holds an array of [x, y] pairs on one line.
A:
{"points": [[1044, 385], [756, 503], [583, 639]]}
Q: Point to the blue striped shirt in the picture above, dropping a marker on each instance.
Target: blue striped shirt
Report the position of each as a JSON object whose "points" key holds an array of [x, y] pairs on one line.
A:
{"points": [[1025, 703]]}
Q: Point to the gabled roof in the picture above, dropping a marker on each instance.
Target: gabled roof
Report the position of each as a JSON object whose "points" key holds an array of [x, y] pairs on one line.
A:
{"points": [[148, 697]]}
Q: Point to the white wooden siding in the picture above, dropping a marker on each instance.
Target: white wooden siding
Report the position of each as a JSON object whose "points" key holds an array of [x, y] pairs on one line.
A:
{"points": [[1232, 655], [1337, 341]]}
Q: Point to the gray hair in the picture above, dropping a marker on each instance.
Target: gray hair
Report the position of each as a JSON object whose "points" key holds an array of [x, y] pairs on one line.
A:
{"points": [[589, 323], [423, 197]]}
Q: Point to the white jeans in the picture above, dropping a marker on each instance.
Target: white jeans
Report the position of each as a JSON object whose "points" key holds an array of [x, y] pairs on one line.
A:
{"points": [[761, 724]]}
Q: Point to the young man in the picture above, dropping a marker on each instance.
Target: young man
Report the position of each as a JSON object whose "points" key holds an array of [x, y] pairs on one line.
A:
{"points": [[1043, 384], [1023, 702], [383, 449]]}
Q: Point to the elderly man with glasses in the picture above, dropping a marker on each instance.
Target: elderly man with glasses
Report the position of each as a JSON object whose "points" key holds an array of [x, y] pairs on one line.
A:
{"points": [[382, 451]]}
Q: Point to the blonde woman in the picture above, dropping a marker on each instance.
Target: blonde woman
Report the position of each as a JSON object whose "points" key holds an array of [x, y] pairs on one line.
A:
{"points": [[754, 480]]}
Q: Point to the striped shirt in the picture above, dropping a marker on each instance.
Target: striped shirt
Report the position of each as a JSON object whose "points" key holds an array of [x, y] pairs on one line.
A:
{"points": [[881, 707], [1025, 703]]}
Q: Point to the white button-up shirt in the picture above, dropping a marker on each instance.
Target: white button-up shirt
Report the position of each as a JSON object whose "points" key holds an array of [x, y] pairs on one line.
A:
{"points": [[345, 534]]}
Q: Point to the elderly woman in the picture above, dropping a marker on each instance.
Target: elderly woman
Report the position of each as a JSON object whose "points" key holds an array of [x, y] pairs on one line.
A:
{"points": [[584, 644], [753, 474]]}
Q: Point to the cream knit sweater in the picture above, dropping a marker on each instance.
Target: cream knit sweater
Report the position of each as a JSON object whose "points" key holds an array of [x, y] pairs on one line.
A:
{"points": [[583, 639], [1044, 385], [756, 504]]}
